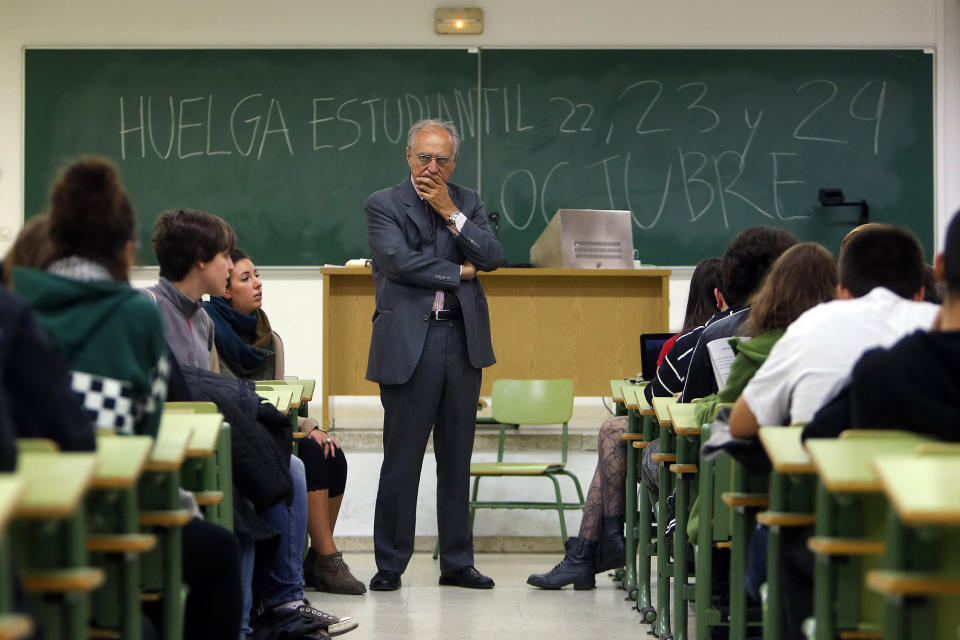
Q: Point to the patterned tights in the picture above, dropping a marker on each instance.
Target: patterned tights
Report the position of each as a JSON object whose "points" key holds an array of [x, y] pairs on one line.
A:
{"points": [[606, 495]]}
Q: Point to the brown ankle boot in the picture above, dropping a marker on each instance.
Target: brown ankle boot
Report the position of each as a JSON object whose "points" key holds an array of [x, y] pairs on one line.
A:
{"points": [[331, 573]]}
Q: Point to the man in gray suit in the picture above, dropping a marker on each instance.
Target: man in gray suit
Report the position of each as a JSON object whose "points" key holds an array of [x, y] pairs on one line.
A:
{"points": [[431, 339]]}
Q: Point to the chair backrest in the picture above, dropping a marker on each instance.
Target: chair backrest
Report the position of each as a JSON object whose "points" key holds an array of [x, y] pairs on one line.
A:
{"points": [[532, 401]]}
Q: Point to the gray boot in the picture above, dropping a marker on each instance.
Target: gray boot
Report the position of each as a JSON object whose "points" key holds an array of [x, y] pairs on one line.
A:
{"points": [[576, 568], [331, 573], [612, 551]]}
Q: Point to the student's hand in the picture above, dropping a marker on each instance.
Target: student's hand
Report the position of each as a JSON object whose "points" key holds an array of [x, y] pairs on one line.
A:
{"points": [[468, 271], [325, 440], [433, 189]]}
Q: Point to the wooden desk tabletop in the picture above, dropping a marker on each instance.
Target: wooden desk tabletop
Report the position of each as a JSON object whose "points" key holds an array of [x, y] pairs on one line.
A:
{"points": [[204, 429], [785, 450], [296, 394], [190, 407], [539, 271], [277, 396], [55, 482], [632, 397], [12, 488], [923, 489], [683, 419], [170, 449], [844, 465], [308, 385], [616, 389], [122, 460], [270, 396], [661, 406]]}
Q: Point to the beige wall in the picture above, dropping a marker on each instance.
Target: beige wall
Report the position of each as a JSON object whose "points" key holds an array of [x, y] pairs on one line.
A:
{"points": [[292, 296]]}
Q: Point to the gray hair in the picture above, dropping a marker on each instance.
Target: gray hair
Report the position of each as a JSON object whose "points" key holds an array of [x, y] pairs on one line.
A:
{"points": [[451, 128]]}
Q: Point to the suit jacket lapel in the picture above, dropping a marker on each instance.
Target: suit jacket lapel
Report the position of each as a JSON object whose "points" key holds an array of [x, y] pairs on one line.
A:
{"points": [[415, 208]]}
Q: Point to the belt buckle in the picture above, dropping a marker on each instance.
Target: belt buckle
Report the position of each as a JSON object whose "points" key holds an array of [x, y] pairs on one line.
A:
{"points": [[436, 314]]}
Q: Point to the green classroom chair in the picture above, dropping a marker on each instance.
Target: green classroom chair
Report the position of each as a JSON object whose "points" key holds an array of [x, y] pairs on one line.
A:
{"points": [[533, 402], [792, 487], [113, 537], [687, 440], [665, 457], [13, 625], [848, 540], [48, 540], [920, 577]]}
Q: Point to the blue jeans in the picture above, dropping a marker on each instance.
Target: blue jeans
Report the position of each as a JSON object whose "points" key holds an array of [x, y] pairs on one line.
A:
{"points": [[285, 582]]}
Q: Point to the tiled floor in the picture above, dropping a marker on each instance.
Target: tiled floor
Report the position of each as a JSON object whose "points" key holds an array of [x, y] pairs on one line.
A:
{"points": [[513, 610]]}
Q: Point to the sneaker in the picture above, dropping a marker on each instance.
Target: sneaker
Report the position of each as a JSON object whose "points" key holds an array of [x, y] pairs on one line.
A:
{"points": [[335, 626]]}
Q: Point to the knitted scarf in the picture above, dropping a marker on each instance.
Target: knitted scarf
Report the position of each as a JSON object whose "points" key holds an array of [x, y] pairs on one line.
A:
{"points": [[243, 340]]}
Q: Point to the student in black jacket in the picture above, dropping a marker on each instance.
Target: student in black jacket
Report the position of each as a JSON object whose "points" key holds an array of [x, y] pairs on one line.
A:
{"points": [[913, 385]]}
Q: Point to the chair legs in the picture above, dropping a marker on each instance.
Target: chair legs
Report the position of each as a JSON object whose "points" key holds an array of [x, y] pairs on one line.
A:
{"points": [[559, 505]]}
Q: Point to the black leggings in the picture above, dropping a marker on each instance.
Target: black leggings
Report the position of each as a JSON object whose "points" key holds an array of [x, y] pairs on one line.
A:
{"points": [[322, 472]]}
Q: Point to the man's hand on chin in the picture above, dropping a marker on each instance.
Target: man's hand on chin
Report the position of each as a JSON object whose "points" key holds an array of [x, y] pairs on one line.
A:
{"points": [[433, 189]]}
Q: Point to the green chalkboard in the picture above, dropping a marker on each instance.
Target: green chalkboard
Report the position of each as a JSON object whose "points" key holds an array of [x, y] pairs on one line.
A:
{"points": [[286, 145], [698, 144]]}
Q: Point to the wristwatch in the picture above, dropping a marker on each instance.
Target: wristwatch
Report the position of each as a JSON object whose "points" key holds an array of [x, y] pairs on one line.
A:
{"points": [[454, 217]]}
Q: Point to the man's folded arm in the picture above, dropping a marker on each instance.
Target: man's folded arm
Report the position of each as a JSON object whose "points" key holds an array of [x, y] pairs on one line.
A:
{"points": [[477, 242], [399, 262]]}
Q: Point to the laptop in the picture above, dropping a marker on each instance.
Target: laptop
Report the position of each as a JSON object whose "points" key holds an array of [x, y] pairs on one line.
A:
{"points": [[650, 346]]}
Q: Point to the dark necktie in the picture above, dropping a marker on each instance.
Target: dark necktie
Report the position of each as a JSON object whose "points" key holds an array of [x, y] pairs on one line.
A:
{"points": [[431, 220]]}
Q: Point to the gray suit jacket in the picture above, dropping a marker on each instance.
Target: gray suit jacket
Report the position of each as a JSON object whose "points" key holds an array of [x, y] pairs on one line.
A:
{"points": [[408, 269]]}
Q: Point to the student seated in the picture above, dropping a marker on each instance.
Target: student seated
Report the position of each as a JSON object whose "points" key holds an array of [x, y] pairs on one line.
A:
{"points": [[913, 385], [881, 286], [112, 341], [881, 276], [247, 347], [193, 250], [803, 277], [744, 264], [705, 305], [600, 544]]}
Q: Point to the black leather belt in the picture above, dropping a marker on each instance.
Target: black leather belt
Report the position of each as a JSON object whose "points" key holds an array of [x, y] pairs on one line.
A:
{"points": [[446, 314]]}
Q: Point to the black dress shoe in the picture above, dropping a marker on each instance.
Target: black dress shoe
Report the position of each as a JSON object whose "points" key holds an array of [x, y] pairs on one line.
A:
{"points": [[466, 577], [385, 581]]}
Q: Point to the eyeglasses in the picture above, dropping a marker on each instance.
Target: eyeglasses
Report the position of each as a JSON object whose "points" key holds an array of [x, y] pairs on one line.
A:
{"points": [[426, 158]]}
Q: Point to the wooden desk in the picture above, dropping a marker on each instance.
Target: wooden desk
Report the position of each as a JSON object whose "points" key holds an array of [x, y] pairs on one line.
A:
{"points": [[920, 579], [55, 482], [683, 418], [924, 490], [850, 512], [844, 466], [616, 389], [121, 460], [204, 429], [12, 489], [661, 406], [546, 323], [277, 396], [307, 384], [190, 407], [785, 450], [169, 451]]}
